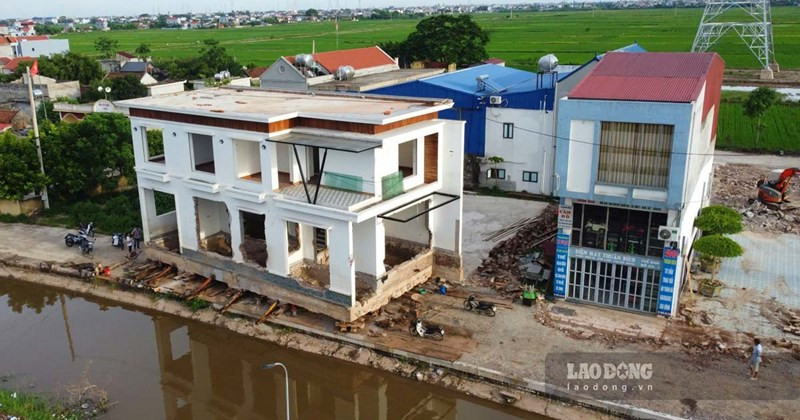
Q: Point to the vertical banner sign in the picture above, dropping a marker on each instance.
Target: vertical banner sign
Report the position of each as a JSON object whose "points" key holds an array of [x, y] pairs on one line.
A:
{"points": [[666, 290], [562, 257], [565, 218]]}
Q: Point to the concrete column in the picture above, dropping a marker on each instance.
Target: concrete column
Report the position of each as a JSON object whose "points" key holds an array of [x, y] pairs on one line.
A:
{"points": [[445, 225], [277, 245], [187, 220], [294, 175], [369, 243], [147, 205], [269, 165], [236, 233], [342, 267], [307, 242]]}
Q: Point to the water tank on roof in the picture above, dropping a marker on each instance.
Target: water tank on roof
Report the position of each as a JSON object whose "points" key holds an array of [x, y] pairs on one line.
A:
{"points": [[304, 60], [345, 73], [548, 63]]}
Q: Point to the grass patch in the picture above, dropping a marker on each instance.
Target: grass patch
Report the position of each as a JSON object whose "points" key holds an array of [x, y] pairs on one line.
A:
{"points": [[573, 36], [738, 132], [197, 304], [32, 407]]}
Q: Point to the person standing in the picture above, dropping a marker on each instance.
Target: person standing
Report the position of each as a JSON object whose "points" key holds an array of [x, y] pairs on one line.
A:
{"points": [[137, 237], [755, 359], [129, 242]]}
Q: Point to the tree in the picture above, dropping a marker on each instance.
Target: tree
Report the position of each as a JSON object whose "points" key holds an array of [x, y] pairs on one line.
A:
{"points": [[71, 66], [142, 50], [125, 87], [758, 103], [447, 39], [716, 247], [312, 12], [106, 46], [93, 152], [213, 58], [20, 174], [719, 220]]}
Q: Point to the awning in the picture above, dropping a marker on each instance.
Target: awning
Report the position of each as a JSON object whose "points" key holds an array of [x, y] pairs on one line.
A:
{"points": [[450, 198], [332, 143]]}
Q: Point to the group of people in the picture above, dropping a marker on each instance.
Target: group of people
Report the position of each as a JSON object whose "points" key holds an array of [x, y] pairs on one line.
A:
{"points": [[134, 239]]}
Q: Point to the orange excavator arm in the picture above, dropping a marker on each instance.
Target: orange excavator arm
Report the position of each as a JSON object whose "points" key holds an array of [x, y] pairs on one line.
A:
{"points": [[785, 179], [775, 192]]}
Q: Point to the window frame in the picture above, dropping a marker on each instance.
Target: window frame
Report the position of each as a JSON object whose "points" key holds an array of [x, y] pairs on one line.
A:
{"points": [[534, 178], [508, 130], [497, 172]]}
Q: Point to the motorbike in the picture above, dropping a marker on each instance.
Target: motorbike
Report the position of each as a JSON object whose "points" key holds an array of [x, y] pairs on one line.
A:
{"points": [[72, 239], [482, 307], [118, 240], [434, 331], [87, 247], [87, 229]]}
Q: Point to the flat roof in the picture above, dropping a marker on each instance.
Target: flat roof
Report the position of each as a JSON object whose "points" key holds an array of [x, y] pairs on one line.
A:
{"points": [[377, 80], [250, 104]]}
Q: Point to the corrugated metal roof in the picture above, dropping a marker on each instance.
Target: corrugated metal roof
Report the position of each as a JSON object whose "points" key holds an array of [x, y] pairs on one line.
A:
{"points": [[358, 58], [652, 77], [499, 79]]}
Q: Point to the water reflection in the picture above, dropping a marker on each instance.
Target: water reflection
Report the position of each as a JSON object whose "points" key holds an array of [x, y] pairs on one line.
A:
{"points": [[157, 366]]}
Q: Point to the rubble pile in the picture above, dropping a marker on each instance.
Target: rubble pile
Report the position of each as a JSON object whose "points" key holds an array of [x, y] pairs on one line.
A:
{"points": [[501, 269], [735, 187]]}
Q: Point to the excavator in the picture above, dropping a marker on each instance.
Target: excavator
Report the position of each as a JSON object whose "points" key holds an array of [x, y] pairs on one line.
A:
{"points": [[772, 191]]}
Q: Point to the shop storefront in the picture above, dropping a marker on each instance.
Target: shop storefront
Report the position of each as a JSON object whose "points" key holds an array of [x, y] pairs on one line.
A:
{"points": [[612, 256]]}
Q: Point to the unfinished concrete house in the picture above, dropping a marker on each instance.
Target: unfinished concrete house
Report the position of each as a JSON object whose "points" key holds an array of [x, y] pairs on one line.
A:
{"points": [[333, 202]]}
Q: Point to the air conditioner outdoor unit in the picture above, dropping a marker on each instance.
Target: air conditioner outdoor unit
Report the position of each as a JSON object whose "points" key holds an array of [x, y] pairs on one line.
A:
{"points": [[668, 233], [495, 100]]}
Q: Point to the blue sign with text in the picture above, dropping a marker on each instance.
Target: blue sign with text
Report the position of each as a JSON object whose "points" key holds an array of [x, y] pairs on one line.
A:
{"points": [[562, 260], [666, 290]]}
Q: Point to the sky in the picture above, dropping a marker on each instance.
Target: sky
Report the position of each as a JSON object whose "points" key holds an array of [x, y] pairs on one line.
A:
{"points": [[87, 8]]}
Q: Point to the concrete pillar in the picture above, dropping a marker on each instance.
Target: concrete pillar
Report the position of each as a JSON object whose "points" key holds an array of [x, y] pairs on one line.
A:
{"points": [[294, 175], [307, 242], [147, 205], [342, 267], [269, 165], [277, 245], [237, 236], [369, 244], [445, 225], [187, 220]]}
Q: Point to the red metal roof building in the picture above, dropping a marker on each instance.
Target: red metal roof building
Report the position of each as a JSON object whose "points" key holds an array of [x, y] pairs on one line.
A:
{"points": [[655, 77], [358, 58]]}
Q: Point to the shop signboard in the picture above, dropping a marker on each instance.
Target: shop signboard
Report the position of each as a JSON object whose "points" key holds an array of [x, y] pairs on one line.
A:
{"points": [[562, 261], [666, 290]]}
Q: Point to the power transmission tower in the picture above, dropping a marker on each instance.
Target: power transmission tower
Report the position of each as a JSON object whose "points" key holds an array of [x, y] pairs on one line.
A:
{"points": [[751, 20]]}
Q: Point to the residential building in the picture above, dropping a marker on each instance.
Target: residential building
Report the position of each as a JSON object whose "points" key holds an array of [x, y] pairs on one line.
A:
{"points": [[10, 66], [333, 202], [509, 121], [634, 167], [39, 46], [369, 68]]}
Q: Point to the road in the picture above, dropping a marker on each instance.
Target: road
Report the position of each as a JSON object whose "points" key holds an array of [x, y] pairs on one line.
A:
{"points": [[769, 161]]}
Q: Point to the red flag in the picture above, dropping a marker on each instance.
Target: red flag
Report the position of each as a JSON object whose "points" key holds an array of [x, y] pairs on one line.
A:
{"points": [[35, 68]]}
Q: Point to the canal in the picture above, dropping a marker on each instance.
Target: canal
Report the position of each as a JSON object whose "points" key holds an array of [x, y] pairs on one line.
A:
{"points": [[155, 366]]}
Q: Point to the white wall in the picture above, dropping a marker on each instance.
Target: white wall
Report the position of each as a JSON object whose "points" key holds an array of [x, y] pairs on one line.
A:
{"points": [[526, 151], [579, 179], [44, 48], [414, 230], [248, 157], [355, 164], [202, 148], [165, 89]]}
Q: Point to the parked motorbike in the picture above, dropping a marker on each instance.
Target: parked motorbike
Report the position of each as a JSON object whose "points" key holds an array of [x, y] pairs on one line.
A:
{"points": [[118, 240], [87, 229], [72, 239], [434, 331], [482, 307], [87, 247]]}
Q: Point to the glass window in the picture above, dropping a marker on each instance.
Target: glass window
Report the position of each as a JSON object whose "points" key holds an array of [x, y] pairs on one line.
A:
{"points": [[594, 226], [635, 154], [528, 176], [577, 218], [496, 173], [508, 130]]}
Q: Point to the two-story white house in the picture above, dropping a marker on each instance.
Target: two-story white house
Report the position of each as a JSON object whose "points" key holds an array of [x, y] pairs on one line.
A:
{"points": [[333, 202], [634, 155]]}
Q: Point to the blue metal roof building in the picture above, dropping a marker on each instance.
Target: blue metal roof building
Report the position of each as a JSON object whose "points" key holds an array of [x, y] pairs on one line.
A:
{"points": [[470, 90]]}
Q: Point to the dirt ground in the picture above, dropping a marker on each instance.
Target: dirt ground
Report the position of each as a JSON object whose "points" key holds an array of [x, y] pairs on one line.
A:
{"points": [[787, 78]]}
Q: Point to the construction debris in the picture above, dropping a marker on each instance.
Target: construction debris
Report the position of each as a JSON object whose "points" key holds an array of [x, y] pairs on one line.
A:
{"points": [[518, 255], [735, 187]]}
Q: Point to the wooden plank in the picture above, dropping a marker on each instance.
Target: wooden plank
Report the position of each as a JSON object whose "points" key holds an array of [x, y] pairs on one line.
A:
{"points": [[268, 312], [205, 285], [431, 158], [232, 300]]}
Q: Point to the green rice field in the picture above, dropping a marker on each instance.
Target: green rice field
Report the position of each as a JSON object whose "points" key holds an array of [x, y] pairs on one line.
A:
{"points": [[573, 36], [781, 128]]}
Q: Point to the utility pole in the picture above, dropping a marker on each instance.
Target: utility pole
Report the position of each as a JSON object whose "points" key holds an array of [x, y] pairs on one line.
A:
{"points": [[45, 199]]}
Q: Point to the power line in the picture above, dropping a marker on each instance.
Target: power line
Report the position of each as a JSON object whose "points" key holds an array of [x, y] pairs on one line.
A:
{"points": [[611, 147]]}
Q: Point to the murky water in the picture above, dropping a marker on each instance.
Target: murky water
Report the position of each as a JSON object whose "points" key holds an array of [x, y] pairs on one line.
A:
{"points": [[155, 366]]}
